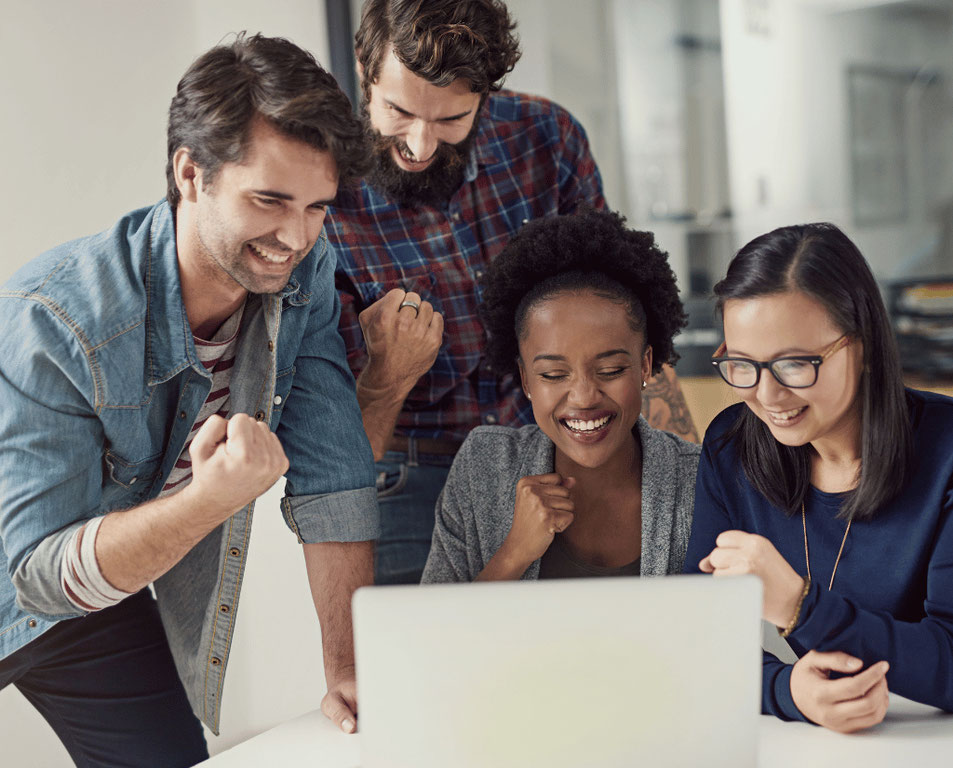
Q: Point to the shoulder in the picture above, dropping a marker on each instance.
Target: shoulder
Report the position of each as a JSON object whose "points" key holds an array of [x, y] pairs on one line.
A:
{"points": [[931, 419], [512, 112], [94, 285], [665, 454], [930, 404], [500, 450]]}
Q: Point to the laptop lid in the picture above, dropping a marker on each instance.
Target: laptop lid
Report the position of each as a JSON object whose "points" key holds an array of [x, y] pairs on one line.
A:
{"points": [[589, 672]]}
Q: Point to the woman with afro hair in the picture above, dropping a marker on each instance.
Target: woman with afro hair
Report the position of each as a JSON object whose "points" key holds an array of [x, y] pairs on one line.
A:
{"points": [[583, 310]]}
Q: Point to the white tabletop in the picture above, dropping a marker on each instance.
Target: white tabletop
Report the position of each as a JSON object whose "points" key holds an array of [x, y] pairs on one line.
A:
{"points": [[911, 734]]}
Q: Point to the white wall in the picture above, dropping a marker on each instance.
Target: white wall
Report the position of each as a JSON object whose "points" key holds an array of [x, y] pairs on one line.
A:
{"points": [[85, 92], [787, 108]]}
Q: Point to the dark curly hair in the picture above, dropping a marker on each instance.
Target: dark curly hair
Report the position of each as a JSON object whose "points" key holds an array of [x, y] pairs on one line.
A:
{"points": [[439, 40], [590, 250], [229, 85]]}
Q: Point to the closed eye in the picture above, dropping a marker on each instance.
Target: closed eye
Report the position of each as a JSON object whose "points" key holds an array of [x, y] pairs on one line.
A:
{"points": [[613, 372]]}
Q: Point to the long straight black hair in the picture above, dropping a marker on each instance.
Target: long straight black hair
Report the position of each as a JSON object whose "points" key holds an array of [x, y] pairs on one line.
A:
{"points": [[822, 262]]}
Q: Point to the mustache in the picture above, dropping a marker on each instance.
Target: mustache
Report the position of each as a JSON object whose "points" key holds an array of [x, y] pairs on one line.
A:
{"points": [[447, 154]]}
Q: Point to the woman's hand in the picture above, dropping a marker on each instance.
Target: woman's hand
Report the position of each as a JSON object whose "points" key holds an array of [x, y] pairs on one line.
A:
{"points": [[737, 552], [543, 509], [847, 704]]}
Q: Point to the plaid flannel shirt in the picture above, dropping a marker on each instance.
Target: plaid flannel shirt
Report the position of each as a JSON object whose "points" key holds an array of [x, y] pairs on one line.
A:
{"points": [[530, 159]]}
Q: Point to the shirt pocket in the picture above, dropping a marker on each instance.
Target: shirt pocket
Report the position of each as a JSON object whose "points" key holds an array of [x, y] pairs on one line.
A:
{"points": [[125, 482]]}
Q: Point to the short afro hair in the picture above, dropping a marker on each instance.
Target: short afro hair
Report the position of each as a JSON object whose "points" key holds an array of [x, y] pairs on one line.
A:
{"points": [[590, 250]]}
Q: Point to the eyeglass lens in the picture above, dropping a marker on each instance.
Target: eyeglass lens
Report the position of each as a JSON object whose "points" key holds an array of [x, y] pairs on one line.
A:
{"points": [[790, 373]]}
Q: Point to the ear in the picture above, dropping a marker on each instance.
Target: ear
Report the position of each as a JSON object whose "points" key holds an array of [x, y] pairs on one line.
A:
{"points": [[359, 68], [519, 362], [188, 176], [647, 363]]}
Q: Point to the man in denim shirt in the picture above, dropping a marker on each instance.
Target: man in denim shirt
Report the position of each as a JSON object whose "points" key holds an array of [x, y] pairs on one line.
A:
{"points": [[156, 379]]}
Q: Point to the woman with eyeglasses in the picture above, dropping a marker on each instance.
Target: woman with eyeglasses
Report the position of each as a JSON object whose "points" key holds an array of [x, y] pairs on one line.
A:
{"points": [[831, 482], [583, 310]]}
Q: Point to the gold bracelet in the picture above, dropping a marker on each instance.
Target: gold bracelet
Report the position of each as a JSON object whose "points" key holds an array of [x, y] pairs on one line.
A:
{"points": [[797, 610]]}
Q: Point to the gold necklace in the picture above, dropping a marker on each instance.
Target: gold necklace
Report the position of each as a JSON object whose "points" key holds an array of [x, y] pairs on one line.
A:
{"points": [[807, 559]]}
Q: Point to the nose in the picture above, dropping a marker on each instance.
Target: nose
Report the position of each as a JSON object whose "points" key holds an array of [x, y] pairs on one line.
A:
{"points": [[421, 140], [769, 390], [296, 230], [583, 392]]}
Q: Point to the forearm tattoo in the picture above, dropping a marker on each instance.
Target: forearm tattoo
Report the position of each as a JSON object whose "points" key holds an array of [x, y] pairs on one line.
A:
{"points": [[664, 406]]}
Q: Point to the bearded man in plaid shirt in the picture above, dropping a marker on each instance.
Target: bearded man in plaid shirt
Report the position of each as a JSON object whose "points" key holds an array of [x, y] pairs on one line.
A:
{"points": [[460, 166]]}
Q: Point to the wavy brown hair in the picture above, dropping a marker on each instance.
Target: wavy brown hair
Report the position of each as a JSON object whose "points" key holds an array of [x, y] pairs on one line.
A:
{"points": [[439, 40], [230, 85]]}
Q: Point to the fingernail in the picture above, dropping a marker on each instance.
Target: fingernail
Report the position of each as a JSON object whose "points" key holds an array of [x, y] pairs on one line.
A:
{"points": [[854, 663], [348, 726]]}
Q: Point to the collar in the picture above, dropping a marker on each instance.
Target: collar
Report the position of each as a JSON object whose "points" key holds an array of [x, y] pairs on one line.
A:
{"points": [[481, 153], [169, 345]]}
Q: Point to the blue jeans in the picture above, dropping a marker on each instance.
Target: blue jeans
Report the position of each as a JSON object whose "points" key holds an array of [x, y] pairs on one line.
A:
{"points": [[107, 686], [407, 491]]}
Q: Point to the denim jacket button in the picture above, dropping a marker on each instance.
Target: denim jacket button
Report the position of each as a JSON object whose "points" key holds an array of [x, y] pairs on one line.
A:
{"points": [[224, 608], [271, 346], [277, 399], [215, 660], [260, 416], [234, 551], [181, 414], [133, 481], [31, 623]]}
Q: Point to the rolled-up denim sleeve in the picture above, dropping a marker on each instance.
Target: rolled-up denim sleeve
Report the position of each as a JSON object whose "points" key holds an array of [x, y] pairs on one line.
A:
{"points": [[330, 491], [51, 447]]}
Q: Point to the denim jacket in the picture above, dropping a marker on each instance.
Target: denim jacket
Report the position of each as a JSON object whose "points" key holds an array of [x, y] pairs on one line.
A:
{"points": [[100, 385]]}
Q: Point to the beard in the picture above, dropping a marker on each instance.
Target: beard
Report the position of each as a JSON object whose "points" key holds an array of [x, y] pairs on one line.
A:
{"points": [[433, 186]]}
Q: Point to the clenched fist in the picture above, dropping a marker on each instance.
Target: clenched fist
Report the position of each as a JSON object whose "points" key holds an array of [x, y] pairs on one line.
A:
{"points": [[402, 341], [542, 509], [234, 462]]}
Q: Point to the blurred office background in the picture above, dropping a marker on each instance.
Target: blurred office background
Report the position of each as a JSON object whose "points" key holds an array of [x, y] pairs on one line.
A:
{"points": [[712, 121]]}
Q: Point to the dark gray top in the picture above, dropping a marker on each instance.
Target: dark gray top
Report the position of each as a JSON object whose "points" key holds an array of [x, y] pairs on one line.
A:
{"points": [[475, 509], [558, 562]]}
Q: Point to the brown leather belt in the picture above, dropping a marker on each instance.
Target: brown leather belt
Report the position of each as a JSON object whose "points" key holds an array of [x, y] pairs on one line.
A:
{"points": [[433, 446]]}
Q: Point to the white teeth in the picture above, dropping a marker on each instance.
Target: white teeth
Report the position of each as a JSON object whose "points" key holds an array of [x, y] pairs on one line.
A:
{"points": [[786, 415], [407, 154], [581, 425], [271, 258]]}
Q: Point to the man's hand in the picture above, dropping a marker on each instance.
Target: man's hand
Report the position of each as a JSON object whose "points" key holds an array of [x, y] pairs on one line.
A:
{"points": [[847, 704], [340, 702], [543, 508], [234, 462], [402, 342], [737, 552]]}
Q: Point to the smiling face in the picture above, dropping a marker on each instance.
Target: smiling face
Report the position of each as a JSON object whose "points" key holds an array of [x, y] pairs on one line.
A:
{"points": [[249, 228], [419, 115], [793, 323], [582, 366], [421, 132]]}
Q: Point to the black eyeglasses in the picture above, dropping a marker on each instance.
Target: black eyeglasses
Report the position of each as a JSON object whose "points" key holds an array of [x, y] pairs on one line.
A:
{"points": [[795, 372]]}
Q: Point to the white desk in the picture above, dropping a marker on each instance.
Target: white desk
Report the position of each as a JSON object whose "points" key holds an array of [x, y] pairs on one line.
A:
{"points": [[911, 735]]}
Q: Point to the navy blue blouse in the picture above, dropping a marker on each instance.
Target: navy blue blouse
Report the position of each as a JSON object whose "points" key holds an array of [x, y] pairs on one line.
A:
{"points": [[893, 596]]}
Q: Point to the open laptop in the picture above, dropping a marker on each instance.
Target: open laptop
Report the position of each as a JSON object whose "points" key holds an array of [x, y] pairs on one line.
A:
{"points": [[569, 673]]}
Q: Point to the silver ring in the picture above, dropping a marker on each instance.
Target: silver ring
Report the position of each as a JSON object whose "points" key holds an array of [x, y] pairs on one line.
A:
{"points": [[413, 304]]}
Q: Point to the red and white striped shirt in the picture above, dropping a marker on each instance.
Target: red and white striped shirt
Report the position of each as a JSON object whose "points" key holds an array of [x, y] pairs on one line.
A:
{"points": [[80, 576]]}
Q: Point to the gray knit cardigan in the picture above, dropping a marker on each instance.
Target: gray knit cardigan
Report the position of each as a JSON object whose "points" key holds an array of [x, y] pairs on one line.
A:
{"points": [[475, 508]]}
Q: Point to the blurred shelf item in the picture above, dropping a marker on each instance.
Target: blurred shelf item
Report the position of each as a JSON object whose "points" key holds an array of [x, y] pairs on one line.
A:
{"points": [[922, 315]]}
